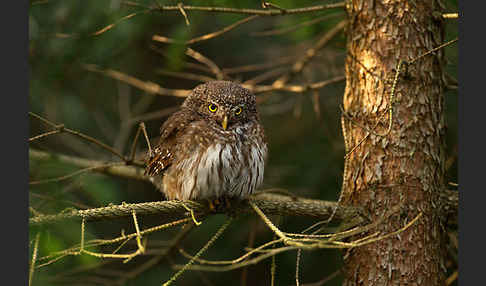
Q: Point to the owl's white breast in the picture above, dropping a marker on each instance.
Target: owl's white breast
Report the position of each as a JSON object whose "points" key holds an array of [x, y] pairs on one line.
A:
{"points": [[233, 169]]}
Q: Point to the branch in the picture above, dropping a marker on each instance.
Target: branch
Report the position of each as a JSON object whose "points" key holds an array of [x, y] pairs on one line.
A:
{"points": [[263, 12], [60, 128], [147, 86], [204, 60], [269, 203], [205, 37], [153, 88], [281, 31], [310, 53], [123, 171], [293, 88]]}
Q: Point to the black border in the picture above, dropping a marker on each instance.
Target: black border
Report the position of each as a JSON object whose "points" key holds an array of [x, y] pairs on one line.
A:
{"points": [[15, 128], [471, 168]]}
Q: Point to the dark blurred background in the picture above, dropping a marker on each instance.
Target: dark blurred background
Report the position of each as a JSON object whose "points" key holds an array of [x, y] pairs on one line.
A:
{"points": [[306, 148]]}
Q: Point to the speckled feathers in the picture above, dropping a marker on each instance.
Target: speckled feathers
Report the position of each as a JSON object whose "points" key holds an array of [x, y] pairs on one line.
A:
{"points": [[213, 147]]}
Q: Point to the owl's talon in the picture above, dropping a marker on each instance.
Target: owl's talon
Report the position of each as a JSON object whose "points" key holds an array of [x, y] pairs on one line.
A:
{"points": [[214, 205], [219, 205], [227, 203], [212, 208]]}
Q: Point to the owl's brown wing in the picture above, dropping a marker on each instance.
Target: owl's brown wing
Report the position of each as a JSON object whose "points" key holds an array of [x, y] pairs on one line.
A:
{"points": [[163, 153], [158, 162]]}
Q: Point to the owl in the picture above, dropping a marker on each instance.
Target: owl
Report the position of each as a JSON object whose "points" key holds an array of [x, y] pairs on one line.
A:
{"points": [[213, 147]]}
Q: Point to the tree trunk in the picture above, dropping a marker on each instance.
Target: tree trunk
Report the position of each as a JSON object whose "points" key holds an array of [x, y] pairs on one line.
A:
{"points": [[404, 167]]}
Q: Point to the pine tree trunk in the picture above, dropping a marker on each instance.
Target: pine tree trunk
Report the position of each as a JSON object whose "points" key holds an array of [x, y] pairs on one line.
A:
{"points": [[404, 167]]}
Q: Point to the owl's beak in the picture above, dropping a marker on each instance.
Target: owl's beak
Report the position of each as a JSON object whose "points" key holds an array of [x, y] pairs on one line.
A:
{"points": [[224, 124]]}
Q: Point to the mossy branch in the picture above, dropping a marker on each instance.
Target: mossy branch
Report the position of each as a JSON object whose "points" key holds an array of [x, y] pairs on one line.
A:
{"points": [[268, 201]]}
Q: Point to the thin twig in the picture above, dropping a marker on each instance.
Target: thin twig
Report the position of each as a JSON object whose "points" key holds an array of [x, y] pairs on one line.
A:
{"points": [[241, 264], [209, 63], [433, 50], [294, 88], [200, 252], [273, 269], [451, 278], [162, 39], [115, 168], [256, 67], [78, 172], [450, 15], [265, 76], [297, 266], [154, 115], [63, 129], [183, 12], [45, 135], [181, 235], [310, 53], [104, 29], [276, 32], [234, 261], [147, 86], [185, 75], [34, 258], [98, 242], [110, 26]]}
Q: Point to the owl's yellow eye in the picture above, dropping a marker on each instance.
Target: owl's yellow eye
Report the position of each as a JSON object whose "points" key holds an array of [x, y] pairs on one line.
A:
{"points": [[212, 107], [238, 111]]}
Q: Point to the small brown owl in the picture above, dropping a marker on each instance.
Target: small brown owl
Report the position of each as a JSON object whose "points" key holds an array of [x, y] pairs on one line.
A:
{"points": [[213, 147]]}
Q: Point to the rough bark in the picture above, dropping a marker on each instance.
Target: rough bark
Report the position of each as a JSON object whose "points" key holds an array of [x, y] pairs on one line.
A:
{"points": [[404, 167]]}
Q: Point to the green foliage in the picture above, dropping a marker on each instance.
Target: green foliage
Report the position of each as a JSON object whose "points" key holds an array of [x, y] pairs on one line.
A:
{"points": [[176, 52], [101, 189]]}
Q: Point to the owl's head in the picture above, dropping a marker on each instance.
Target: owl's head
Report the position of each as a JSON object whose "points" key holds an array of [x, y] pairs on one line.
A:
{"points": [[226, 103]]}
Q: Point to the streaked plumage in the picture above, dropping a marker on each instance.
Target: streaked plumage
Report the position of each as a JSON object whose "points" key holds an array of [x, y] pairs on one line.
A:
{"points": [[214, 146]]}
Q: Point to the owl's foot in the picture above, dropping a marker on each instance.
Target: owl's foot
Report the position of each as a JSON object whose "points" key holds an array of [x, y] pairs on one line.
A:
{"points": [[219, 204]]}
